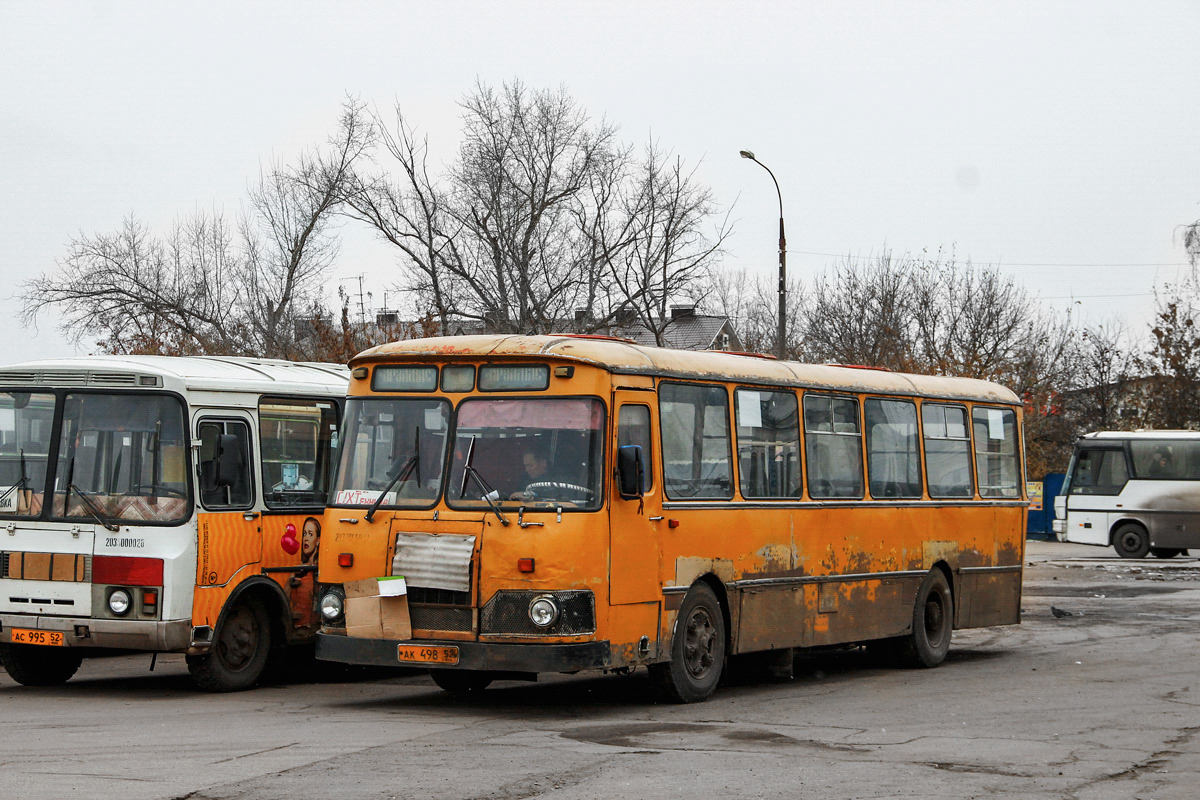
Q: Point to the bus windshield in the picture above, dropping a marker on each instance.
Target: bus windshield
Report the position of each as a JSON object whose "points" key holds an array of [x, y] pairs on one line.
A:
{"points": [[122, 457], [395, 447], [25, 422], [534, 452]]}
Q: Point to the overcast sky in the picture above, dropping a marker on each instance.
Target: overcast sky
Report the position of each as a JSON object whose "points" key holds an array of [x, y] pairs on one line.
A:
{"points": [[1056, 140]]}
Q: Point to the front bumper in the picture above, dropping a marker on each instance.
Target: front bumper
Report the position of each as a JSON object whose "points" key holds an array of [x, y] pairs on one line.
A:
{"points": [[125, 634], [471, 655]]}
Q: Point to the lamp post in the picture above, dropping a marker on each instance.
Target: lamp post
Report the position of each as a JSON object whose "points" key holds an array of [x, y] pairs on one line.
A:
{"points": [[781, 333]]}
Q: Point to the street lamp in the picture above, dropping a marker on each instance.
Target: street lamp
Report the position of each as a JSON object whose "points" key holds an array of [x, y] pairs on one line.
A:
{"points": [[781, 333]]}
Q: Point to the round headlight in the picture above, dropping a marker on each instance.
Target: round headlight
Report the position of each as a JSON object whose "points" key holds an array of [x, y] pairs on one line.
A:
{"points": [[331, 606], [119, 602], [543, 611]]}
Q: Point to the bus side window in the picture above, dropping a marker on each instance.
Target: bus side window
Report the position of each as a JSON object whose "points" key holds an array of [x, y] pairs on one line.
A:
{"points": [[297, 437], [947, 451], [893, 459], [996, 466], [633, 427], [231, 491], [695, 436], [768, 434], [833, 447]]}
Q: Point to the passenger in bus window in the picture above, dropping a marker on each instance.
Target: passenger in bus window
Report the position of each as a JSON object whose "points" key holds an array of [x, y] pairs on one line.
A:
{"points": [[1160, 465]]}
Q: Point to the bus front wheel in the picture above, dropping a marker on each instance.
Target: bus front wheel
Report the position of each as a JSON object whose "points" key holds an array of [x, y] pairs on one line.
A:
{"points": [[697, 649], [461, 681], [39, 665], [1131, 541], [239, 651]]}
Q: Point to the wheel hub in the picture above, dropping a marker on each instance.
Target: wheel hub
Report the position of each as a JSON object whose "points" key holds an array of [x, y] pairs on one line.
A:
{"points": [[698, 644]]}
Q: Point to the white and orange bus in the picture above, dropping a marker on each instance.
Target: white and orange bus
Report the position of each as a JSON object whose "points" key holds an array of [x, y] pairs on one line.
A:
{"points": [[560, 503], [163, 505]]}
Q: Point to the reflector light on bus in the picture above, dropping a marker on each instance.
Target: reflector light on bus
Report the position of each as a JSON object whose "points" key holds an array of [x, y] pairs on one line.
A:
{"points": [[127, 571]]}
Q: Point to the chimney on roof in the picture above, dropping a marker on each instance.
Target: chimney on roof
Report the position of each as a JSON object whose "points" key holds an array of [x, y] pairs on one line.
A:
{"points": [[682, 311], [386, 318], [582, 315]]}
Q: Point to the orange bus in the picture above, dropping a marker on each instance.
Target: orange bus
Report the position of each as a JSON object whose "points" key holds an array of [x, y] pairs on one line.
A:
{"points": [[561, 503]]}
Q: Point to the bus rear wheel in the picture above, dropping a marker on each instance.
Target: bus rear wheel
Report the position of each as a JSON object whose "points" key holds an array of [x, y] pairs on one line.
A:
{"points": [[1165, 552], [461, 681], [697, 649], [239, 651], [37, 665], [932, 625], [1131, 541]]}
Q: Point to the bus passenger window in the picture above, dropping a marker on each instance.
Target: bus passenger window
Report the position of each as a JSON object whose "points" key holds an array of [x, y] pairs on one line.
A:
{"points": [[996, 464], [225, 491], [1165, 460], [893, 459], [634, 428], [695, 439], [768, 436], [833, 447], [297, 437], [1099, 472], [947, 451]]}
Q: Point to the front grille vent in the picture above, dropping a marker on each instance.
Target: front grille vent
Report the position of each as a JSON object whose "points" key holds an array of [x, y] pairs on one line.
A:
{"points": [[438, 597], [508, 613], [72, 378], [441, 618]]}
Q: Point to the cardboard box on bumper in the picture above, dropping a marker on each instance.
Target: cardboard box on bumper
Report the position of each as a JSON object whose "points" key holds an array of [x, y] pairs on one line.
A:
{"points": [[377, 608]]}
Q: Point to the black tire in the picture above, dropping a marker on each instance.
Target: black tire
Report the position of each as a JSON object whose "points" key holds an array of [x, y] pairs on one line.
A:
{"points": [[697, 649], [239, 651], [1131, 541], [461, 681], [37, 665], [1165, 552], [932, 624]]}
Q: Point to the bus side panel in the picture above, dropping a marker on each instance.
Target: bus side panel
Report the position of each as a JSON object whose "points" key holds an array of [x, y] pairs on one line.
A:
{"points": [[852, 611], [990, 599]]}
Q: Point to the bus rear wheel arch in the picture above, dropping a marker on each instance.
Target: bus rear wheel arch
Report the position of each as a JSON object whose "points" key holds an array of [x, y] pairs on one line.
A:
{"points": [[698, 649], [928, 642], [1131, 540]]}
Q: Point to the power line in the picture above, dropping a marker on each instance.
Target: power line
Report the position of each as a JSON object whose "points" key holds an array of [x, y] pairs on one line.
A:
{"points": [[1010, 263]]}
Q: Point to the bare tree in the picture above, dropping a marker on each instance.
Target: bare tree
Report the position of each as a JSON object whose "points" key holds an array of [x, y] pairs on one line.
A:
{"points": [[1172, 362], [670, 252], [1101, 394], [204, 288]]}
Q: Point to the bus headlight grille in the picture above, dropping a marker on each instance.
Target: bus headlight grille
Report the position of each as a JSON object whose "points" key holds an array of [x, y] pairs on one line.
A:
{"points": [[441, 618], [507, 613]]}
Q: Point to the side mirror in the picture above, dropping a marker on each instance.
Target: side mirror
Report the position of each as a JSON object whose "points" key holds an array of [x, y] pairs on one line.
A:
{"points": [[631, 471]]}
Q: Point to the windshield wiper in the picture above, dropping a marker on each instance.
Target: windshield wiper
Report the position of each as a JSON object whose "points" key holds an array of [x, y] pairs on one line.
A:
{"points": [[490, 495], [413, 463], [21, 482], [88, 502]]}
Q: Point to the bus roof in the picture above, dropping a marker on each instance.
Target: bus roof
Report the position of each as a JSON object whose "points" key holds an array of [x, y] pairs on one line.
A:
{"points": [[1141, 434], [624, 357], [194, 373]]}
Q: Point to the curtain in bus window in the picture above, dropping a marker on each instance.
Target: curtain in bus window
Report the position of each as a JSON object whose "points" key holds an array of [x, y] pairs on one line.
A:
{"points": [[122, 457], [538, 453], [1099, 472], [768, 436], [996, 465], [25, 422], [695, 433], [833, 447], [633, 428], [296, 437], [1171, 460], [947, 451], [893, 456]]}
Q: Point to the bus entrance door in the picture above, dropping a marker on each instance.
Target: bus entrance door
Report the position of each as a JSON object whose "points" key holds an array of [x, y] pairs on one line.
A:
{"points": [[634, 572]]}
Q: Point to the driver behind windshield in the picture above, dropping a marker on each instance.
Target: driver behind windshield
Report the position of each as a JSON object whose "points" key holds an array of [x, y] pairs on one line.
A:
{"points": [[536, 465]]}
